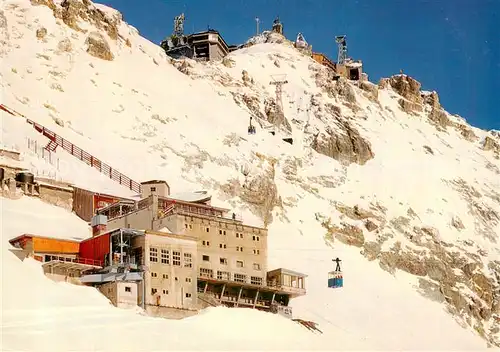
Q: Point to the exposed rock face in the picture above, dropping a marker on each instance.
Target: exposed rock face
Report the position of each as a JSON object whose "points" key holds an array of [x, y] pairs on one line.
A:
{"points": [[49, 3], [447, 272], [437, 115], [71, 11], [247, 80], [98, 46], [260, 191], [466, 132], [4, 34], [491, 144], [348, 234], [409, 89], [64, 46], [41, 33], [228, 62], [347, 146], [274, 116], [371, 89]]}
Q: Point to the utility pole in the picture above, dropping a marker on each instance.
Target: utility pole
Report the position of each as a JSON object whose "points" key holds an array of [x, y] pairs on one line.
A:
{"points": [[279, 102], [257, 20]]}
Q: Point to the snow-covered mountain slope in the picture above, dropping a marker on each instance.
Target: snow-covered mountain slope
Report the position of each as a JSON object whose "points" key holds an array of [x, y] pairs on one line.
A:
{"points": [[379, 175]]}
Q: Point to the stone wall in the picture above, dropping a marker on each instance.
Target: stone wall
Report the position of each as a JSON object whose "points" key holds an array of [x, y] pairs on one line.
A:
{"points": [[58, 196]]}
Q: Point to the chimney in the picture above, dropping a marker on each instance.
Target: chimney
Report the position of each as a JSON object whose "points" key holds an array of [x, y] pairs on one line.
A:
{"points": [[99, 224]]}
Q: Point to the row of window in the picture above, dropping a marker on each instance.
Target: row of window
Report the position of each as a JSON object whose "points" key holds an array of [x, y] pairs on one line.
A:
{"points": [[224, 246], [165, 257], [165, 292], [223, 232], [165, 276], [226, 276], [223, 261]]}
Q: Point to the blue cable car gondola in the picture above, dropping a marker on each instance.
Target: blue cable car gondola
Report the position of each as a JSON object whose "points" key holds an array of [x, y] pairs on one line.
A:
{"points": [[336, 278]]}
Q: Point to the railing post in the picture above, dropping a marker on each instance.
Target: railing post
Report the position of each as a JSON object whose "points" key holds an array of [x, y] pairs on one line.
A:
{"points": [[91, 161]]}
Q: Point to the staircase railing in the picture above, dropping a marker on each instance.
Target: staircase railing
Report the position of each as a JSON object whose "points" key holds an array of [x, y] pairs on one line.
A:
{"points": [[55, 140]]}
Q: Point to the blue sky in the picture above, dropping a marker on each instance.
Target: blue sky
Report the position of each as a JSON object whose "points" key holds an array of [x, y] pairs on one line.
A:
{"points": [[451, 46]]}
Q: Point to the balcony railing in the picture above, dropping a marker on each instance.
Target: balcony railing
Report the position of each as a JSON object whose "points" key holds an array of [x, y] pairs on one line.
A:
{"points": [[84, 261]]}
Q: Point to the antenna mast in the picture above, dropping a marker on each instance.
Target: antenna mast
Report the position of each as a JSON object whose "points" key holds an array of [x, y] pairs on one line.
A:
{"points": [[279, 102], [179, 25], [342, 44], [257, 20]]}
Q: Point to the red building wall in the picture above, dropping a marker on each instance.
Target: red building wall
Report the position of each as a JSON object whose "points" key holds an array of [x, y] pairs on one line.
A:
{"points": [[96, 248]]}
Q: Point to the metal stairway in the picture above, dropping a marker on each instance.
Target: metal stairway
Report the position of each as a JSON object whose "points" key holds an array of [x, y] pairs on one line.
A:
{"points": [[57, 141]]}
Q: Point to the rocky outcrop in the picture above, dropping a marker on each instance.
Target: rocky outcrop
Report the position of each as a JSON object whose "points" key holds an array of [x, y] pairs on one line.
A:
{"points": [[72, 11], [436, 115], [345, 233], [345, 145], [4, 34], [490, 144], [409, 89], [275, 116], [370, 89], [466, 132], [41, 33], [97, 46], [259, 189], [64, 46], [49, 3]]}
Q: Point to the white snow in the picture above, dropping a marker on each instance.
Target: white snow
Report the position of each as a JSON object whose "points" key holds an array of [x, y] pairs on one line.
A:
{"points": [[142, 116]]}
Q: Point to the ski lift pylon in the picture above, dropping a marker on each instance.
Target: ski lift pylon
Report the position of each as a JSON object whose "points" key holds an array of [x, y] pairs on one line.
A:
{"points": [[335, 277]]}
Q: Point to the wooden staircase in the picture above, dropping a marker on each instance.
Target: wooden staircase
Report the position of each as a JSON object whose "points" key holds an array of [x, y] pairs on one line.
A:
{"points": [[57, 141]]}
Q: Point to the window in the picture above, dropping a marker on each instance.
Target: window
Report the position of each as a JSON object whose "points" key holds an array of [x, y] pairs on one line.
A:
{"points": [[154, 274], [223, 275], [240, 278], [153, 291], [253, 238], [128, 289], [239, 249], [153, 189], [206, 273], [239, 235], [206, 243], [208, 229], [165, 292], [153, 254], [206, 258], [223, 261], [164, 257], [188, 295], [176, 279], [256, 251], [188, 279], [239, 264], [188, 260], [222, 232], [165, 276], [254, 280], [256, 266], [176, 258]]}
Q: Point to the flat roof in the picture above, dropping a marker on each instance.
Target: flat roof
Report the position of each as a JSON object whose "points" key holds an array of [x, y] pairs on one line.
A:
{"points": [[154, 182], [199, 205], [286, 271], [244, 285], [29, 236]]}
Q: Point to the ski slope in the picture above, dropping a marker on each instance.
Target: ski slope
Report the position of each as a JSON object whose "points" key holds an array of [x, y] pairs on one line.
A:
{"points": [[144, 117]]}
